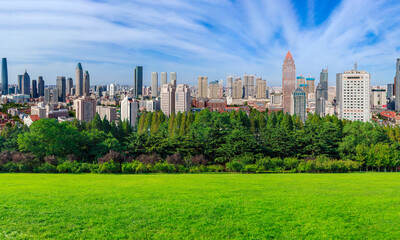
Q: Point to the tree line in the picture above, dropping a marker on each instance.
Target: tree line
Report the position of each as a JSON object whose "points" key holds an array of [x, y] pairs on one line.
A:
{"points": [[205, 141]]}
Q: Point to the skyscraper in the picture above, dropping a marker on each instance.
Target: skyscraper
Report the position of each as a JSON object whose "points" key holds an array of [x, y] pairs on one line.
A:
{"points": [[54, 95], [86, 83], [229, 86], [213, 90], [250, 85], [154, 84], [163, 78], [320, 100], [323, 79], [261, 89], [310, 81], [390, 91], [26, 84], [172, 77], [20, 83], [237, 89], [61, 86], [138, 81], [47, 95], [4, 76], [40, 86], [70, 84], [168, 99], [397, 85], [288, 81], [299, 104], [245, 86], [79, 80], [85, 108], [112, 90], [182, 100], [202, 83], [34, 89], [129, 110]]}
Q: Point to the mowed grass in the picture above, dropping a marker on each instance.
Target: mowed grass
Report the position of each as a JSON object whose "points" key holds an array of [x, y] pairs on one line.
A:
{"points": [[208, 206]]}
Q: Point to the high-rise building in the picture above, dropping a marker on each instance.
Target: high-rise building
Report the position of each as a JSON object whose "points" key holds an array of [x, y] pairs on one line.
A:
{"points": [[47, 95], [26, 84], [168, 99], [202, 83], [245, 86], [378, 97], [154, 84], [323, 79], [34, 89], [221, 89], [110, 113], [112, 90], [61, 86], [85, 108], [20, 83], [250, 85], [310, 81], [397, 85], [129, 110], [100, 90], [163, 78], [320, 100], [182, 100], [353, 95], [229, 86], [213, 90], [172, 77], [299, 104], [261, 89], [237, 89], [4, 76], [138, 81], [288, 81], [40, 86], [79, 80], [70, 84], [86, 84], [390, 91], [54, 95]]}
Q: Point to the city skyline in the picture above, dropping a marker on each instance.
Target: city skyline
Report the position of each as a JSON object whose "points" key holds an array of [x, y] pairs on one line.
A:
{"points": [[197, 38]]}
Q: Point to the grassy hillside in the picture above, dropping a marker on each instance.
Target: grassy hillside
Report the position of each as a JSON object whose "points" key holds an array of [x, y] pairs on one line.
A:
{"points": [[200, 206]]}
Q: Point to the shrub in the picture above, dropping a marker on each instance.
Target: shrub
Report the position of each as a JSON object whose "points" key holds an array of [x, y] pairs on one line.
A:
{"points": [[246, 158], [149, 159], [141, 168], [5, 157], [130, 167], [66, 167], [253, 168], [84, 167], [52, 160], [164, 167], [198, 169], [112, 155], [47, 168], [10, 167], [216, 168], [199, 160], [175, 159], [109, 167], [234, 166]]}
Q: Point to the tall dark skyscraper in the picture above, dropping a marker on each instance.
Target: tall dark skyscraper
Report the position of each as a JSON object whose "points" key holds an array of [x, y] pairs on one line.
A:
{"points": [[70, 84], [324, 82], [79, 80], [19, 80], [86, 84], [26, 84], [61, 86], [34, 89], [4, 76], [138, 81], [40, 86]]}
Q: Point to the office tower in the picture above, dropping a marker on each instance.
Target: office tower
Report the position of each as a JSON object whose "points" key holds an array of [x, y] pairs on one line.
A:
{"points": [[221, 89], [172, 79], [301, 82], [61, 86], [79, 80], [213, 90], [73, 91], [85, 108], [100, 90], [250, 86], [245, 86], [202, 83], [229, 86], [320, 100], [86, 84], [168, 99], [40, 86], [182, 100], [163, 78], [390, 91], [54, 95], [237, 89], [299, 104], [47, 95], [34, 89], [353, 95], [4, 76], [26, 84], [154, 84], [378, 97], [397, 85], [288, 81], [112, 90], [323, 79], [261, 89], [138, 81], [110, 113], [20, 83], [70, 84], [129, 110], [310, 81]]}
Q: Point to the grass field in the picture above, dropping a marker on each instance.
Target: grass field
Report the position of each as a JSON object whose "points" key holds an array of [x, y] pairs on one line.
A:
{"points": [[211, 206]]}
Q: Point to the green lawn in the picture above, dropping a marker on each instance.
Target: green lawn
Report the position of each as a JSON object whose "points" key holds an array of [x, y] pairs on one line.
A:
{"points": [[211, 206]]}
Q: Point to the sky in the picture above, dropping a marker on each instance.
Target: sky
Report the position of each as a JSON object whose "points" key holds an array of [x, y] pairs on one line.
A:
{"points": [[213, 38]]}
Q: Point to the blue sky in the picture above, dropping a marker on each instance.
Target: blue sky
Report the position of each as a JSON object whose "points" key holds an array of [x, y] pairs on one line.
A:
{"points": [[205, 37]]}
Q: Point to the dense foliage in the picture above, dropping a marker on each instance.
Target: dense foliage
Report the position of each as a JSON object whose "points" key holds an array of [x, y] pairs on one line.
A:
{"points": [[201, 142]]}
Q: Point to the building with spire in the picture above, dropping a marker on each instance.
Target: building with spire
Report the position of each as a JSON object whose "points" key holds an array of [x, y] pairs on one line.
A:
{"points": [[288, 81], [79, 80]]}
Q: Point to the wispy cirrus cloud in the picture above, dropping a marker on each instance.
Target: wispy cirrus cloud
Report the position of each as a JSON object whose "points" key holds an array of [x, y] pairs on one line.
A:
{"points": [[201, 37]]}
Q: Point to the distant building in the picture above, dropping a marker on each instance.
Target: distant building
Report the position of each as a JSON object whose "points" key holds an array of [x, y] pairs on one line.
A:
{"points": [[61, 86], [4, 76], [237, 89], [378, 97], [245, 86], [39, 111], [85, 108], [40, 86], [182, 100], [138, 81], [129, 110], [173, 78], [20, 83], [86, 83], [250, 86], [202, 83], [229, 86], [397, 85], [163, 78], [26, 84], [34, 89], [288, 81], [299, 104], [112, 90], [70, 85], [261, 89], [47, 95], [54, 95], [110, 113], [213, 90], [153, 105], [154, 84], [390, 91], [79, 80], [323, 79], [320, 100], [167, 99]]}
